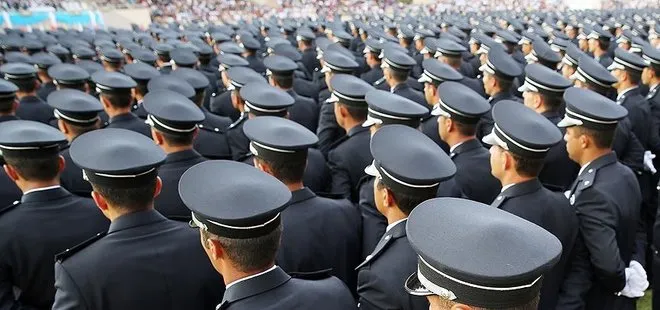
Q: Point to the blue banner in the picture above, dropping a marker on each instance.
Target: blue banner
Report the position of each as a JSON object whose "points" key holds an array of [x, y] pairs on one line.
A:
{"points": [[34, 18], [83, 18]]}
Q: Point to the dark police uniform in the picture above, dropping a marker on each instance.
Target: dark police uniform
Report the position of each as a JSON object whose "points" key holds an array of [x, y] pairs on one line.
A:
{"points": [[398, 60], [599, 34], [254, 205], [473, 179], [26, 270], [608, 223], [529, 199], [141, 73], [9, 192], [132, 240], [382, 273], [30, 107], [220, 103], [45, 90], [43, 61], [489, 241], [309, 59]]}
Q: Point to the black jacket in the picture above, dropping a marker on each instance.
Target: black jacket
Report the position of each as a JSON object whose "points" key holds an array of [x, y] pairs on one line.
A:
{"points": [[406, 91], [328, 130], [309, 60], [373, 222], [45, 90], [558, 171], [31, 108], [212, 141], [72, 176], [304, 111], [131, 122], [486, 123], [238, 141], [373, 75], [221, 105], [347, 160], [429, 127], [169, 203]]}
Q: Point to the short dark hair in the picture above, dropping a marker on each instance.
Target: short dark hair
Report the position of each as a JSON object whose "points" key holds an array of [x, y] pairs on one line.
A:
{"points": [[250, 254], [552, 102], [526, 166], [132, 199], [164, 58], [406, 202], [78, 130], [454, 61], [354, 112], [121, 99], [178, 140], [505, 84], [115, 65], [7, 104], [602, 138], [465, 129], [41, 168], [656, 71], [141, 89], [198, 99], [288, 170], [204, 60], [604, 44], [26, 85], [634, 76], [400, 75], [283, 81]]}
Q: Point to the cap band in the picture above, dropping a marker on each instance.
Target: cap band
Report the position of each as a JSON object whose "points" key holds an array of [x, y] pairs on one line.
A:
{"points": [[59, 114], [156, 123], [236, 232], [120, 180]]}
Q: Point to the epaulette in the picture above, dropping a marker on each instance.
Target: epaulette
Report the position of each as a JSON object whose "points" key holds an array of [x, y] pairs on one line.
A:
{"points": [[313, 275], [237, 122], [105, 124], [75, 249], [380, 81], [587, 180], [10, 207], [211, 129]]}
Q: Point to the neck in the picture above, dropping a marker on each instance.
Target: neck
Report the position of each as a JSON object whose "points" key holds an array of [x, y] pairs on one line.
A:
{"points": [[394, 214], [623, 86], [174, 149], [295, 186], [495, 91], [456, 139], [112, 112], [11, 113], [653, 83], [25, 186], [598, 52], [592, 154], [113, 213], [513, 178], [20, 95], [350, 123], [393, 83], [231, 275], [541, 109]]}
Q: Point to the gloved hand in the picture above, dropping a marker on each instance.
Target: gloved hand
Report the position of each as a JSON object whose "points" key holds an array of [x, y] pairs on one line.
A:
{"points": [[648, 161], [636, 282]]}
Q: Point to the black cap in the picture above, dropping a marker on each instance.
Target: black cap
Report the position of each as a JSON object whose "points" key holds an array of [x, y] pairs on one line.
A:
{"points": [[651, 56], [349, 90], [592, 72], [68, 74], [90, 66], [520, 130], [171, 112], [75, 107], [541, 79], [112, 81], [590, 109], [239, 76], [372, 45], [44, 60], [396, 59], [386, 108], [449, 48], [599, 34], [279, 65], [163, 49], [183, 57], [489, 241], [58, 50], [423, 33], [117, 158], [251, 199], [263, 99], [501, 64], [82, 52], [460, 102], [277, 138], [288, 51], [19, 138], [529, 38], [305, 35], [144, 55], [572, 55], [624, 60], [173, 83], [543, 53], [112, 55], [18, 71], [559, 44], [17, 57], [250, 43], [227, 61], [230, 48], [141, 72], [338, 62], [438, 72], [504, 36], [7, 89], [408, 161], [486, 44], [194, 77]]}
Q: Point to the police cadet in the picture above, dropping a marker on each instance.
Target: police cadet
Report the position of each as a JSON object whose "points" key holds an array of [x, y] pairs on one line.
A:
{"points": [[183, 58], [384, 109], [33, 163], [350, 152], [68, 76], [328, 130], [241, 237], [76, 113], [30, 107], [164, 61], [251, 46], [396, 66], [599, 43], [408, 167], [520, 141], [543, 54], [220, 102], [280, 148], [141, 73], [112, 60], [435, 73], [570, 61], [141, 246], [371, 51], [607, 199], [459, 110], [42, 62], [116, 95], [280, 72], [542, 92], [305, 39], [451, 53], [9, 192], [651, 78], [238, 77], [499, 71], [174, 122], [470, 276]]}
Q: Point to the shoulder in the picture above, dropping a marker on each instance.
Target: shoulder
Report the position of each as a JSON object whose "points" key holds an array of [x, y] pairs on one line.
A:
{"points": [[61, 257], [237, 124], [6, 209]]}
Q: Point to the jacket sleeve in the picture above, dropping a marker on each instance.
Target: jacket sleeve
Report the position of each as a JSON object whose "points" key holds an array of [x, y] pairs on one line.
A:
{"points": [[328, 129], [577, 283], [67, 293], [341, 179], [598, 230], [373, 292]]}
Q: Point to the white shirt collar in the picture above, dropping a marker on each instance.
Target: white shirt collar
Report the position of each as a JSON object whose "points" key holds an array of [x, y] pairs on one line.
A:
{"points": [[41, 189], [252, 276], [584, 167], [390, 226], [505, 187], [451, 149], [624, 92]]}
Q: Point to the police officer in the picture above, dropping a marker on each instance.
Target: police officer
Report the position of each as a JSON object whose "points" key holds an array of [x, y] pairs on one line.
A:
{"points": [[471, 277], [30, 107], [384, 109], [396, 66], [543, 54], [406, 173], [280, 148], [183, 58], [174, 122], [305, 39], [112, 60], [9, 192], [141, 73], [599, 43], [164, 61], [76, 113], [451, 53], [251, 46], [499, 71], [33, 163], [43, 61], [608, 223], [349, 153], [124, 189], [371, 51], [542, 92], [116, 97], [220, 102], [516, 159], [459, 110], [242, 235], [279, 71], [68, 76]]}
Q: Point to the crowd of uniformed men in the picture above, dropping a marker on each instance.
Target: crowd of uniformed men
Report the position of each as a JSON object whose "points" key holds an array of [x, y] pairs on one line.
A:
{"points": [[459, 161]]}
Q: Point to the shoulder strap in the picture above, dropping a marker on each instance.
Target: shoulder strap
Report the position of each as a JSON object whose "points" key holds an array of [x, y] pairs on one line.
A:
{"points": [[10, 207], [75, 249]]}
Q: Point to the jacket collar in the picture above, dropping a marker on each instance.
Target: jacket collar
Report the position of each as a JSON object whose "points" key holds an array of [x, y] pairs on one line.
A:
{"points": [[291, 92], [301, 195], [356, 130], [254, 286], [45, 195], [523, 188], [600, 162], [553, 116], [30, 99], [499, 96], [466, 147], [136, 219], [401, 86], [396, 232], [182, 156], [123, 117]]}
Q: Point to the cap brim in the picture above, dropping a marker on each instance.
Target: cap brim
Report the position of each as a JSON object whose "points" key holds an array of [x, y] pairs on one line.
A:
{"points": [[325, 69], [372, 171], [490, 139], [414, 287], [615, 66], [371, 121], [437, 111], [424, 79], [332, 99], [569, 122], [481, 50], [424, 50], [231, 87], [437, 54], [526, 87]]}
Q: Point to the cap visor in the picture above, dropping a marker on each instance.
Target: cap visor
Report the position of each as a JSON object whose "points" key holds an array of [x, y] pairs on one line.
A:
{"points": [[490, 139], [332, 99], [568, 122], [414, 287], [424, 50], [615, 66], [231, 87], [325, 69], [437, 54], [424, 79], [481, 50], [372, 171]]}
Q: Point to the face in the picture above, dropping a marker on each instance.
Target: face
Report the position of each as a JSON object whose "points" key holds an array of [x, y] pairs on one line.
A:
{"points": [[483, 58], [572, 140], [580, 84], [442, 127], [619, 75], [488, 80], [526, 48], [379, 196], [419, 44], [373, 129], [571, 33], [474, 47], [225, 78], [497, 155], [583, 44], [593, 45], [338, 116], [430, 94], [646, 76], [328, 77], [567, 71], [624, 45]]}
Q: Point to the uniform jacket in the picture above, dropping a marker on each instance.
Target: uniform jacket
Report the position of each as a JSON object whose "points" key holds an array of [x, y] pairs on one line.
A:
{"points": [[373, 222], [304, 111], [31, 108], [131, 122], [238, 141], [72, 176], [347, 160], [486, 123], [169, 203], [558, 171], [212, 141]]}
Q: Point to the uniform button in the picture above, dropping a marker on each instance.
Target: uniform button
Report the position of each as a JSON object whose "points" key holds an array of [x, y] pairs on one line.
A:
{"points": [[201, 126], [586, 182], [217, 130], [499, 197], [16, 202], [591, 170], [387, 237], [369, 257]]}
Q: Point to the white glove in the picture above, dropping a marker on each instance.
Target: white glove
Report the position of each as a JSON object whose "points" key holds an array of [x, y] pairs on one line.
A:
{"points": [[648, 161], [636, 282]]}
